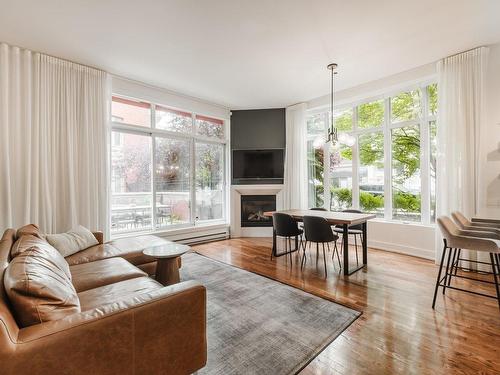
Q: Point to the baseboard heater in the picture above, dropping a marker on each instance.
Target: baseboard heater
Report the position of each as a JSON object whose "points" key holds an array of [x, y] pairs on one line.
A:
{"points": [[199, 237]]}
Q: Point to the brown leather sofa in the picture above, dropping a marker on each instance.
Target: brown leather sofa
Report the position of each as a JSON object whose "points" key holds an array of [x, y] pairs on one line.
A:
{"points": [[117, 321]]}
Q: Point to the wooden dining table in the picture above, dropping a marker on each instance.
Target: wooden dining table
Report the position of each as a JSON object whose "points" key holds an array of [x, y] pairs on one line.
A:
{"points": [[345, 219]]}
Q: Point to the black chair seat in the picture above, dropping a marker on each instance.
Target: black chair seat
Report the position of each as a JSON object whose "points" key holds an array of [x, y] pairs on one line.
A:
{"points": [[286, 226], [317, 230]]}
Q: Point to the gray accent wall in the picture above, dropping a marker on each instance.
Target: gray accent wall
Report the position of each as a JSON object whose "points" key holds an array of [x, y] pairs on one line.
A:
{"points": [[257, 129]]}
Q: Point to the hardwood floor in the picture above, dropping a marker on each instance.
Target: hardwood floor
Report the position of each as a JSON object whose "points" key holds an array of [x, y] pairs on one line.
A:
{"points": [[398, 332]]}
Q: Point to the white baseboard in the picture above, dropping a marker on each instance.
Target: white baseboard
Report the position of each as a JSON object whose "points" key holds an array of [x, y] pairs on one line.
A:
{"points": [[402, 249]]}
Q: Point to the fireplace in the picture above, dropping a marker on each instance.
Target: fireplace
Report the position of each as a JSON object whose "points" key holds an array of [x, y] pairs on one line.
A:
{"points": [[253, 208]]}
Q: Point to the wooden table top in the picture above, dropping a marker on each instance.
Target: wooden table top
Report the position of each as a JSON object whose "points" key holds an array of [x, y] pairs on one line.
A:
{"points": [[349, 218]]}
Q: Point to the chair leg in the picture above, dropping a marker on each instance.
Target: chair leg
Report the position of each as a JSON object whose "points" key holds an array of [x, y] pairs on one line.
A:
{"points": [[336, 251], [356, 246], [458, 260], [452, 265], [290, 249], [495, 277], [447, 271], [324, 258], [303, 256], [438, 277]]}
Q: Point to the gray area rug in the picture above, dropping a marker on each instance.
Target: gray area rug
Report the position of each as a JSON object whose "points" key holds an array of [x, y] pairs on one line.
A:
{"points": [[256, 325]]}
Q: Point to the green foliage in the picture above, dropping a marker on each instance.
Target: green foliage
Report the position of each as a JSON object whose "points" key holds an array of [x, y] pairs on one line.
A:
{"points": [[208, 167], [370, 202], [406, 202], [315, 162], [406, 106], [405, 153], [371, 149], [342, 196], [343, 121], [371, 114], [346, 153], [432, 93]]}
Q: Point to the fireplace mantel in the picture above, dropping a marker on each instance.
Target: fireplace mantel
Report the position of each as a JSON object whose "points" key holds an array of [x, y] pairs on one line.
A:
{"points": [[236, 192]]}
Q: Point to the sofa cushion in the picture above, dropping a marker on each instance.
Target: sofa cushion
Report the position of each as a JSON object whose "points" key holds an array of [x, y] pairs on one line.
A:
{"points": [[71, 242], [30, 229], [116, 292], [28, 241], [103, 272], [38, 286], [127, 248]]}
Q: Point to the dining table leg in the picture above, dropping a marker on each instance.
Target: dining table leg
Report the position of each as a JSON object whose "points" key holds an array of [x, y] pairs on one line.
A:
{"points": [[345, 240], [274, 243], [365, 243]]}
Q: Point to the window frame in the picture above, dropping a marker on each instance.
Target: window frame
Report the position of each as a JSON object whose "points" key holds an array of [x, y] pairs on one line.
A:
{"points": [[192, 137], [386, 127]]}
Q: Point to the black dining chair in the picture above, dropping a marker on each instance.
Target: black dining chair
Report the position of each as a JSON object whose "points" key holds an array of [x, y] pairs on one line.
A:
{"points": [[286, 226], [355, 230], [317, 230], [318, 209]]}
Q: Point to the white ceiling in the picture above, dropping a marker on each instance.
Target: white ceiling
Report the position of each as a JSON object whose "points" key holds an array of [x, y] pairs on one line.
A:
{"points": [[253, 53]]}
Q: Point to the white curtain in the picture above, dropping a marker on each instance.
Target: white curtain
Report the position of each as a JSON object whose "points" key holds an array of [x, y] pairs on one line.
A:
{"points": [[53, 137], [295, 189], [461, 81]]}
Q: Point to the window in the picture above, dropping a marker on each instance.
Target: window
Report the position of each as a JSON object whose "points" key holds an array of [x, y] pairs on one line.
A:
{"points": [[390, 171], [131, 112], [173, 181], [131, 190], [371, 172], [209, 127], [316, 126], [209, 181], [406, 198], [167, 169], [170, 119], [341, 178]]}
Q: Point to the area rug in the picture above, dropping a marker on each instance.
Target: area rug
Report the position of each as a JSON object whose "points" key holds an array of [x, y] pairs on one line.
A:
{"points": [[256, 325]]}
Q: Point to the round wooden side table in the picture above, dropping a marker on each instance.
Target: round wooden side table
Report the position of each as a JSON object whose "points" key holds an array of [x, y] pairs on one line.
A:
{"points": [[167, 265]]}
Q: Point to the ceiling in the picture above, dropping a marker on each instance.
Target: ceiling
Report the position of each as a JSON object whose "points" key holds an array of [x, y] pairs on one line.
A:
{"points": [[253, 53]]}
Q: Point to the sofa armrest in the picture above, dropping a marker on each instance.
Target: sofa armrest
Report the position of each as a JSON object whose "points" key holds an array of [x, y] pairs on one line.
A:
{"points": [[99, 236], [162, 331]]}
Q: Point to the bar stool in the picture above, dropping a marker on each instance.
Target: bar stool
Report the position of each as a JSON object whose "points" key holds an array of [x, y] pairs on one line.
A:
{"points": [[317, 230], [286, 226], [355, 230], [484, 220], [482, 233], [454, 239], [464, 223]]}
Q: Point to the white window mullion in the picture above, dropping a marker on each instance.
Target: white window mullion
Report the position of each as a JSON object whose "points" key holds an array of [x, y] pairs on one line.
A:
{"points": [[192, 184], [153, 168], [326, 167], [153, 181], [425, 160], [387, 161], [355, 162]]}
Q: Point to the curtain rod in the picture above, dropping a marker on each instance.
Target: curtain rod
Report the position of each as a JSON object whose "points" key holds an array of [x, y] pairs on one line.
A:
{"points": [[56, 57], [468, 50]]}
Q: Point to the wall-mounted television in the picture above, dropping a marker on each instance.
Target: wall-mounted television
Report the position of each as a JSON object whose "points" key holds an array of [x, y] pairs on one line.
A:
{"points": [[258, 164]]}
